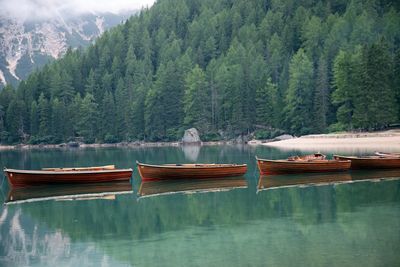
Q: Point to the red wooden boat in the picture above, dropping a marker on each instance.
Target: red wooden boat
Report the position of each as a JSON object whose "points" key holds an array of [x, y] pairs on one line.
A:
{"points": [[304, 164], [372, 162], [67, 175], [189, 171]]}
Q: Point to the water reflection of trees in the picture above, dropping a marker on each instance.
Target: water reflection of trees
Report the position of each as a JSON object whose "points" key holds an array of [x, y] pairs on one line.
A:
{"points": [[162, 226], [127, 219]]}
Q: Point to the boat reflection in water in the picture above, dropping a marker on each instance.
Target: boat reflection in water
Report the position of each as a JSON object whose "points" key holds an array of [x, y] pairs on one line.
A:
{"points": [[68, 192], [190, 186], [267, 182]]}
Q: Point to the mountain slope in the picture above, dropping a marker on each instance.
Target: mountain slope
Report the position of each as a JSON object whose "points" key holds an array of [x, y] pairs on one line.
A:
{"points": [[25, 46], [226, 67]]}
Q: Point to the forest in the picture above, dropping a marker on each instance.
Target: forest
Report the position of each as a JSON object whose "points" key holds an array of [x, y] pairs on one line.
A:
{"points": [[225, 67]]}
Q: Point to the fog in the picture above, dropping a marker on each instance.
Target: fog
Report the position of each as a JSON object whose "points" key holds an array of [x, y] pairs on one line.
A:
{"points": [[33, 10]]}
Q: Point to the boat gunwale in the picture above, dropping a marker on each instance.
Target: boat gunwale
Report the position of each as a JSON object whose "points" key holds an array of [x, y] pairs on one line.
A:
{"points": [[40, 172], [194, 166]]}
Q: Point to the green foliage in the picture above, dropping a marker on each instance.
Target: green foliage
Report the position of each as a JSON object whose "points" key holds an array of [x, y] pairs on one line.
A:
{"points": [[197, 104], [87, 122], [365, 90], [226, 66], [299, 95]]}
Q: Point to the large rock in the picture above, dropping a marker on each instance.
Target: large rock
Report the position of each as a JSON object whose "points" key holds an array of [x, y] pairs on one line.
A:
{"points": [[191, 136]]}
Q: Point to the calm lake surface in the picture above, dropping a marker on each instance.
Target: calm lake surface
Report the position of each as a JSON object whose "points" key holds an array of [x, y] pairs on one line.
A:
{"points": [[346, 219]]}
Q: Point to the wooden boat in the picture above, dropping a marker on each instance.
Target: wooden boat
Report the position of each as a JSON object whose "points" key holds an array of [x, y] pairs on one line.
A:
{"points": [[305, 164], [372, 162], [68, 192], [167, 187], [67, 175], [150, 172]]}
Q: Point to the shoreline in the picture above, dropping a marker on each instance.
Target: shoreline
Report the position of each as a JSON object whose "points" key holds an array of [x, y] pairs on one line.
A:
{"points": [[369, 141], [388, 141], [106, 145]]}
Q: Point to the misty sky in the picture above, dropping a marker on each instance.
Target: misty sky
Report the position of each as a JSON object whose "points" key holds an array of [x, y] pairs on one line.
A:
{"points": [[47, 9]]}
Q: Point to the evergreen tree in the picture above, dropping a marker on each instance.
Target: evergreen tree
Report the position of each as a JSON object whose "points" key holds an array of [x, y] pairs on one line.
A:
{"points": [[108, 116], [266, 109], [299, 94], [87, 124], [57, 120], [321, 98], [3, 133], [375, 105], [34, 119], [44, 116], [15, 121], [197, 104], [346, 81], [149, 67]]}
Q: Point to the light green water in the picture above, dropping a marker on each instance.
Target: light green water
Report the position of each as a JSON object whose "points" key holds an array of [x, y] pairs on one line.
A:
{"points": [[230, 223]]}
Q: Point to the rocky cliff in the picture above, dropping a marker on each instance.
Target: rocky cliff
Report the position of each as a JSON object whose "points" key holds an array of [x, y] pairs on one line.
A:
{"points": [[27, 45]]}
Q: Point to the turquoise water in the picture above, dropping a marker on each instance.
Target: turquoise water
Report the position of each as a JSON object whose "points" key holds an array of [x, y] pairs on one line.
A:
{"points": [[354, 221]]}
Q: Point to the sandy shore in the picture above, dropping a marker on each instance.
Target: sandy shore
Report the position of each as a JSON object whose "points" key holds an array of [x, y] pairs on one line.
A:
{"points": [[388, 141]]}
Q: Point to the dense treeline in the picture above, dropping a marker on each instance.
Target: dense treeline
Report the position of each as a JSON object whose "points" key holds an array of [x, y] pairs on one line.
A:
{"points": [[225, 67]]}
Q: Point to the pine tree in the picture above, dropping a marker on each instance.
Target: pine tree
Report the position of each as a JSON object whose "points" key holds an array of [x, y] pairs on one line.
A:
{"points": [[44, 116], [87, 124], [34, 119], [108, 116], [57, 120], [266, 109], [197, 102], [299, 94], [346, 81], [321, 94], [3, 132], [375, 106], [15, 121]]}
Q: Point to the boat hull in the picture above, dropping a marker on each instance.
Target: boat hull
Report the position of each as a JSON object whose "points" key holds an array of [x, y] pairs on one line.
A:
{"points": [[20, 178], [267, 167], [163, 172], [372, 162]]}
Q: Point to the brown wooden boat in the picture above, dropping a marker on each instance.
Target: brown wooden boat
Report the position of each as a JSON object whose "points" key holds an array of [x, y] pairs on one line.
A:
{"points": [[305, 164], [372, 162], [166, 187], [150, 172], [68, 192], [67, 175]]}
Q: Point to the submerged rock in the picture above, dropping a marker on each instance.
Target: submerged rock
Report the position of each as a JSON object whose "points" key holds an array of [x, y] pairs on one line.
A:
{"points": [[191, 136]]}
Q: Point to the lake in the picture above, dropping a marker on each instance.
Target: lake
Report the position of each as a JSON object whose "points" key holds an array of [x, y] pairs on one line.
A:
{"points": [[344, 219]]}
